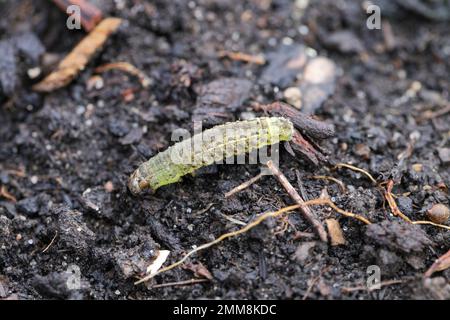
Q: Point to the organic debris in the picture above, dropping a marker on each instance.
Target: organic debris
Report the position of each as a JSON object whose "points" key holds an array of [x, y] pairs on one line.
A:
{"points": [[307, 213], [335, 232], [251, 225], [161, 257], [244, 185], [440, 264], [244, 57], [126, 67], [79, 57]]}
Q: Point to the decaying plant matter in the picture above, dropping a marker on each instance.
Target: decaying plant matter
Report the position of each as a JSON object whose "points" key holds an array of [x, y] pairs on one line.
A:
{"points": [[79, 57]]}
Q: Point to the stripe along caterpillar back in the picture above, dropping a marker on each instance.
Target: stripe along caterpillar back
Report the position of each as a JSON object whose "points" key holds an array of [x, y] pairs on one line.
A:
{"points": [[211, 146]]}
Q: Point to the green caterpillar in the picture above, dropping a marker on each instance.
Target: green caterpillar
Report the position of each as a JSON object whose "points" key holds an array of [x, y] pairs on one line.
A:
{"points": [[208, 147]]}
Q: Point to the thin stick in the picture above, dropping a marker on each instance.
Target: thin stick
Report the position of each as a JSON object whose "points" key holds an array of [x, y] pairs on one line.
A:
{"points": [[434, 114], [240, 56], [307, 212], [364, 287], [51, 242], [244, 185], [125, 67], [349, 166], [339, 182], [179, 283], [431, 223], [253, 224], [231, 219]]}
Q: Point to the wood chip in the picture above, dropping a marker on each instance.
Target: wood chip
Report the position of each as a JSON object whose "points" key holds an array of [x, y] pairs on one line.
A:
{"points": [[79, 57], [335, 232]]}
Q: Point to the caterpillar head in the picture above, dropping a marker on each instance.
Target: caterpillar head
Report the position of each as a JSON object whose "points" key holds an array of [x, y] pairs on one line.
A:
{"points": [[137, 184]]}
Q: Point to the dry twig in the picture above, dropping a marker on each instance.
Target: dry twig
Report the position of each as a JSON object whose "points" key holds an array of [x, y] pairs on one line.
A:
{"points": [[179, 283], [428, 115], [240, 56], [307, 213], [51, 243], [339, 182], [79, 57], [251, 225], [382, 284], [125, 67], [244, 185], [349, 166]]}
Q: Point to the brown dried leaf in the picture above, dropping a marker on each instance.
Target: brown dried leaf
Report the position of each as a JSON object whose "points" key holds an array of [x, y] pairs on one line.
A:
{"points": [[199, 270], [78, 58]]}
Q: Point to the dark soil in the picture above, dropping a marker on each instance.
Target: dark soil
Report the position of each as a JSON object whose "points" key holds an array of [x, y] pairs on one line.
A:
{"points": [[66, 156]]}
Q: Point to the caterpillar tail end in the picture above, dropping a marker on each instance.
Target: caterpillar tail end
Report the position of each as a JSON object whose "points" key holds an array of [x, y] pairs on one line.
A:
{"points": [[136, 184]]}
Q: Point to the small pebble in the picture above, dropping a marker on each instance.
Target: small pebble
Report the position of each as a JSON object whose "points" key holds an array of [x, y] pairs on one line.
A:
{"points": [[293, 96], [33, 73], [439, 213]]}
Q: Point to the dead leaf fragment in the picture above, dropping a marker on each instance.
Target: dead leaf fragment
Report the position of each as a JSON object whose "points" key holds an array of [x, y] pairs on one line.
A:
{"points": [[158, 262], [199, 270], [79, 57], [335, 232], [439, 265], [5, 194]]}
